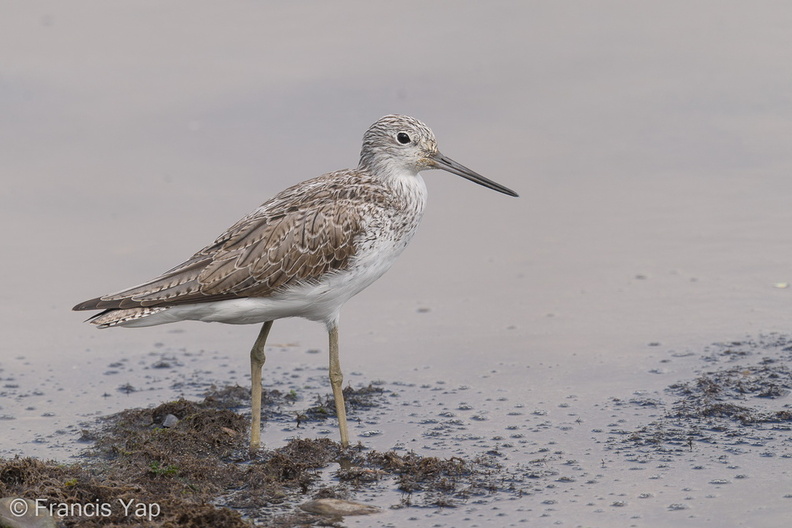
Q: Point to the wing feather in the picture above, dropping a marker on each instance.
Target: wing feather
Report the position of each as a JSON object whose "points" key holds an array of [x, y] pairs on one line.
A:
{"points": [[299, 235]]}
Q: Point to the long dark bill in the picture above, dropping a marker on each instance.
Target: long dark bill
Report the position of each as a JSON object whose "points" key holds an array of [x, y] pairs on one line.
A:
{"points": [[446, 163]]}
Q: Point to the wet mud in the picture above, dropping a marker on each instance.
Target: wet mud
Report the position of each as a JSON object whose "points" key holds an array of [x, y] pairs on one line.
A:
{"points": [[678, 453], [191, 459], [740, 396]]}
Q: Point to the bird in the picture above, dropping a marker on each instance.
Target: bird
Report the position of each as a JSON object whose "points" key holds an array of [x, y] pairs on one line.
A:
{"points": [[302, 253]]}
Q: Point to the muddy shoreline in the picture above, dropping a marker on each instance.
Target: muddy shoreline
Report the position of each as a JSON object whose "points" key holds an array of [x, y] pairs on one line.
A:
{"points": [[727, 421]]}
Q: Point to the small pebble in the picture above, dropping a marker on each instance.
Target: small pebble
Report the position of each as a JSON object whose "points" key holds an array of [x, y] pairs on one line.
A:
{"points": [[21, 513], [337, 507]]}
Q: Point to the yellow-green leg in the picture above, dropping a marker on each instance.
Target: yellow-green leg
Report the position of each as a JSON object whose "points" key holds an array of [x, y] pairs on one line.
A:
{"points": [[336, 379], [257, 358]]}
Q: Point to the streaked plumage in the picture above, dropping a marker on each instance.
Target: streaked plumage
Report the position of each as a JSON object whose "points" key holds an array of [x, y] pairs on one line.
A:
{"points": [[304, 252], [299, 239]]}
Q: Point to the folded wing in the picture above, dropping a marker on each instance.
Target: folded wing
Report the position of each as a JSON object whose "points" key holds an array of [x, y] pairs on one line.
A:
{"points": [[295, 237]]}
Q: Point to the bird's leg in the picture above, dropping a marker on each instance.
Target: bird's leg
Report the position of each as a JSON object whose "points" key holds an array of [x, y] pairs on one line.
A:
{"points": [[336, 379], [257, 358]]}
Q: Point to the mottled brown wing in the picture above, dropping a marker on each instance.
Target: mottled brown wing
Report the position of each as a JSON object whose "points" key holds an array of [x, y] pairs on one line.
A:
{"points": [[293, 248], [296, 236]]}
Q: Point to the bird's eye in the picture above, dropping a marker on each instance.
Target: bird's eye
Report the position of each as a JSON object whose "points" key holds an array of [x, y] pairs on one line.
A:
{"points": [[403, 138]]}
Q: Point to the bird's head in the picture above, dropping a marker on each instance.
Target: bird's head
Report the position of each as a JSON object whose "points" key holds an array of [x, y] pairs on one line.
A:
{"points": [[398, 144]]}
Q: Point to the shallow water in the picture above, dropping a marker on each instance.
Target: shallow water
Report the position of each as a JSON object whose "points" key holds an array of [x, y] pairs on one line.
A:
{"points": [[652, 155]]}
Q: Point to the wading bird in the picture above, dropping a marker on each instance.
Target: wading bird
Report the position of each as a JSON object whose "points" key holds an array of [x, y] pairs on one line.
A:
{"points": [[303, 253]]}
